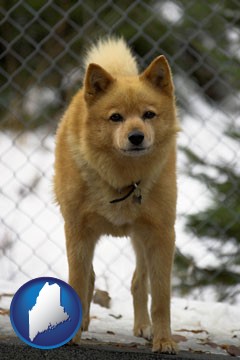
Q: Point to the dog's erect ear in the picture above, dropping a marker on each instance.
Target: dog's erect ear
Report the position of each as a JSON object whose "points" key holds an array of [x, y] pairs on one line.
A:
{"points": [[158, 73], [97, 80]]}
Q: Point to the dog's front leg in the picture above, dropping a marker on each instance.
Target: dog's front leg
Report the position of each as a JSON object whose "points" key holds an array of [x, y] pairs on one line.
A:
{"points": [[80, 249], [159, 250]]}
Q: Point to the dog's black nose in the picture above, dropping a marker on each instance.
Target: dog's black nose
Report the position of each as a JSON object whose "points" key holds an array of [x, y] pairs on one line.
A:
{"points": [[136, 137]]}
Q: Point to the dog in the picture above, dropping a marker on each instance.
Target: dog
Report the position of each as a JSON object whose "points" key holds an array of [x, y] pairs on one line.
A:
{"points": [[115, 173]]}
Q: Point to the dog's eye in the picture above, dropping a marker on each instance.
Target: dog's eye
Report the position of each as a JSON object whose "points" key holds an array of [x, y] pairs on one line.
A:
{"points": [[116, 117], [149, 115]]}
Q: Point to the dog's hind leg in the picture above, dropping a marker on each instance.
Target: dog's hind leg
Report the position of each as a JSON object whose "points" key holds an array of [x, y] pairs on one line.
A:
{"points": [[139, 289]]}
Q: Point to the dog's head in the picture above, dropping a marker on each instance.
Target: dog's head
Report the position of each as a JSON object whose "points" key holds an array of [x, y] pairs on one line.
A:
{"points": [[130, 117]]}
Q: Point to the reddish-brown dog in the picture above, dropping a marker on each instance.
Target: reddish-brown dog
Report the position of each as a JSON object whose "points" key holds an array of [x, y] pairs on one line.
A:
{"points": [[115, 173]]}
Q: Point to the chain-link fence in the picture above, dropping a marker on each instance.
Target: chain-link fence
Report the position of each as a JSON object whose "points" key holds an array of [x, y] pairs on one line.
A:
{"points": [[42, 43]]}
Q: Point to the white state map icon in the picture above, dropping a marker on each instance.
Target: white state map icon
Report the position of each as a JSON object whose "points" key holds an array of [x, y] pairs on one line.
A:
{"points": [[47, 313]]}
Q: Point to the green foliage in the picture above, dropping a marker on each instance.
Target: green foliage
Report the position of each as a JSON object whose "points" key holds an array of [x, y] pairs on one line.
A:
{"points": [[43, 41], [218, 225]]}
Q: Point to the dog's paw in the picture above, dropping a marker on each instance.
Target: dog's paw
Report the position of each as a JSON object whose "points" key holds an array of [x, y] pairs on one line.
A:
{"points": [[84, 327], [166, 346], [144, 331], [76, 339], [73, 343]]}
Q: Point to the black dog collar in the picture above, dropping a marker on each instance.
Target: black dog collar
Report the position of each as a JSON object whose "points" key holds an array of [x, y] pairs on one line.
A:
{"points": [[135, 190]]}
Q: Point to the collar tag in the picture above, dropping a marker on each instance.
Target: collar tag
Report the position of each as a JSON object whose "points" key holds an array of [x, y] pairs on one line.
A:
{"points": [[137, 195]]}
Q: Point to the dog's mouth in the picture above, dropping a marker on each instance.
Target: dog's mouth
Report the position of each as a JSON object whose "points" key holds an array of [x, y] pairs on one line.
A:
{"points": [[135, 151]]}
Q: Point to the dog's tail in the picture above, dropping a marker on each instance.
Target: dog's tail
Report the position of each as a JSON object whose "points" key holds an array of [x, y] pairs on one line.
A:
{"points": [[114, 55]]}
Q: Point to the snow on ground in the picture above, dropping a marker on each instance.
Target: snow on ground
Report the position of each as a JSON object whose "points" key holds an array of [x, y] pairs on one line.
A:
{"points": [[197, 326]]}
